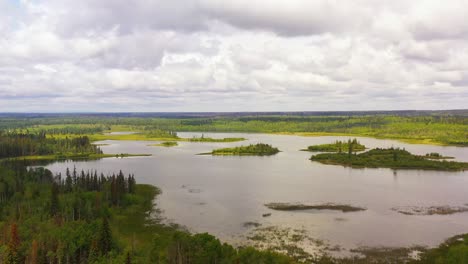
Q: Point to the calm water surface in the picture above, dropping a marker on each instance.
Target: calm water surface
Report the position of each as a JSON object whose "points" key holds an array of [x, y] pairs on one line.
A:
{"points": [[218, 194]]}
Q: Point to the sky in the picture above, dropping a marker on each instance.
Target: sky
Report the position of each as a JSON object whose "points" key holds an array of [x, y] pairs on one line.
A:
{"points": [[239, 55]]}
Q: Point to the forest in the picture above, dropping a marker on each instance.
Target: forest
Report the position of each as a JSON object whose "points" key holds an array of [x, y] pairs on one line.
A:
{"points": [[444, 128], [89, 217], [394, 158], [338, 146], [18, 144]]}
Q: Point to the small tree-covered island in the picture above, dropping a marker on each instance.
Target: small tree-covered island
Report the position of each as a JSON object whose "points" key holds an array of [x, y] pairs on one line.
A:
{"points": [[337, 146], [393, 158], [259, 149], [166, 144]]}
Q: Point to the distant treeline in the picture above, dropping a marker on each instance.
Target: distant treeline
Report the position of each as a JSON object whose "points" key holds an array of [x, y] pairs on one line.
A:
{"points": [[432, 128], [14, 144]]}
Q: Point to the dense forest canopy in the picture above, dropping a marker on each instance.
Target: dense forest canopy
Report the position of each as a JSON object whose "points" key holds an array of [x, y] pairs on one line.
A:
{"points": [[17, 144]]}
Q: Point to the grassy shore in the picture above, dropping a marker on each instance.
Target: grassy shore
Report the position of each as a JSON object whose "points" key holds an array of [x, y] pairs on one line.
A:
{"points": [[79, 156]]}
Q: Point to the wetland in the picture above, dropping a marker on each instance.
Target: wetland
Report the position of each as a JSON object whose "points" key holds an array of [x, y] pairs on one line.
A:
{"points": [[233, 190]]}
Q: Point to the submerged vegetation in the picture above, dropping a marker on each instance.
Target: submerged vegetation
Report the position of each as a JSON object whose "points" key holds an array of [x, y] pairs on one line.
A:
{"points": [[328, 206], [259, 149], [394, 158], [430, 210], [208, 139], [338, 146]]}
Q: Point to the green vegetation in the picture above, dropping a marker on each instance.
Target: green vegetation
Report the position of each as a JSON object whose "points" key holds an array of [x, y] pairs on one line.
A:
{"points": [[166, 144], [87, 217], [259, 149], [428, 128], [338, 146], [452, 251], [299, 207], [158, 133], [388, 158], [435, 155], [13, 144]]}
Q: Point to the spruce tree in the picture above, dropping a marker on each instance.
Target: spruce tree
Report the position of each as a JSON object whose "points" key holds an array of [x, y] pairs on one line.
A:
{"points": [[105, 237], [54, 200]]}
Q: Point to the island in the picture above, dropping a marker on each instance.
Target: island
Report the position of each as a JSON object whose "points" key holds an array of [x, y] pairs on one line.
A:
{"points": [[394, 158], [345, 208], [165, 144], [337, 146], [259, 149]]}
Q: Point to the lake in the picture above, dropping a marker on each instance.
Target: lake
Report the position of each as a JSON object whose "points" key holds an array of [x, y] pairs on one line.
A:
{"points": [[218, 194]]}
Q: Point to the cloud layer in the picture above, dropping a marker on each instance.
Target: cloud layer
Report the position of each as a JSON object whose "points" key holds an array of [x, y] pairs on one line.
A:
{"points": [[208, 55]]}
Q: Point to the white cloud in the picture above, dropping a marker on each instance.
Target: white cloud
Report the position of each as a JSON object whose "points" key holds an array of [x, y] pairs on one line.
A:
{"points": [[206, 55]]}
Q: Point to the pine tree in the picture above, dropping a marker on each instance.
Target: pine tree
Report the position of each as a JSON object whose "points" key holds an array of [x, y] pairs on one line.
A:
{"points": [[105, 237], [54, 200], [68, 182]]}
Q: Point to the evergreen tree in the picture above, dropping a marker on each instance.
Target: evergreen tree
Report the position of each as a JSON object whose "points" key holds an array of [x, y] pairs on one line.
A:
{"points": [[68, 182], [105, 237], [54, 200]]}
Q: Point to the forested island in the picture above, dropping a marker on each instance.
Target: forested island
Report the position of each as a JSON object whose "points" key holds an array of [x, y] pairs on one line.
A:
{"points": [[338, 146], [166, 144], [259, 149], [394, 158]]}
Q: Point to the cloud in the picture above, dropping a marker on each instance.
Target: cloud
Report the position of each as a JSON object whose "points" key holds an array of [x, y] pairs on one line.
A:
{"points": [[206, 55]]}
